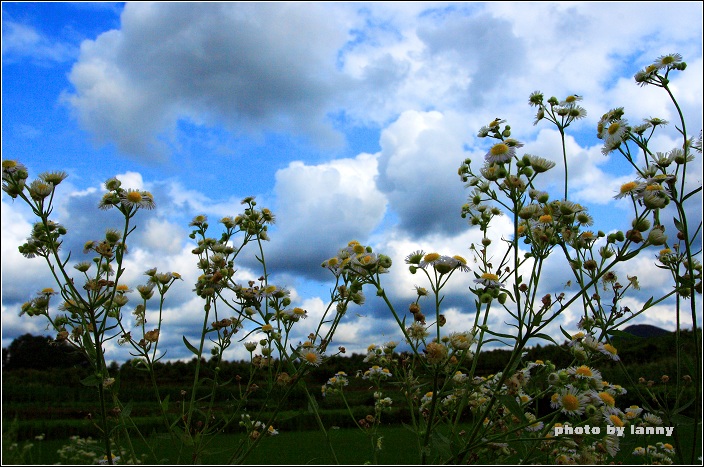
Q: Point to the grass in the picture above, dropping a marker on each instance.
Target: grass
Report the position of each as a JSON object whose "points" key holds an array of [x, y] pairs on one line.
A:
{"points": [[310, 448]]}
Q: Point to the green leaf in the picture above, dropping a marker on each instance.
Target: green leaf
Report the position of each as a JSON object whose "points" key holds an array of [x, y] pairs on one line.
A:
{"points": [[165, 403], [190, 347], [566, 334], [91, 381], [546, 337], [312, 405], [127, 410], [678, 224], [513, 407]]}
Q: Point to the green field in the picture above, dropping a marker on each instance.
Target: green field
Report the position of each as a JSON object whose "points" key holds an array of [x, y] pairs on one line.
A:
{"points": [[310, 447]]}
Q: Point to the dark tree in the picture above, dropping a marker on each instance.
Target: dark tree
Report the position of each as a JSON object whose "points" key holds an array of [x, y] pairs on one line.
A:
{"points": [[38, 353]]}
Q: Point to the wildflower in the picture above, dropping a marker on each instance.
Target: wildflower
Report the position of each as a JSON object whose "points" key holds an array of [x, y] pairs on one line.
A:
{"points": [[535, 98], [137, 199], [570, 400], [614, 420], [435, 353], [415, 257], [377, 372], [311, 357], [417, 331], [426, 399], [39, 189], [609, 350], [534, 426], [489, 280], [492, 172], [665, 61], [584, 372], [250, 346], [545, 219], [633, 412], [500, 153], [300, 313], [639, 451], [651, 419], [459, 377], [461, 340], [611, 444], [152, 336], [540, 164], [645, 75], [429, 259], [607, 399]]}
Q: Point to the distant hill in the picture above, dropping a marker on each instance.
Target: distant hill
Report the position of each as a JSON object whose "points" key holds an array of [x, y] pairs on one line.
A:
{"points": [[645, 330]]}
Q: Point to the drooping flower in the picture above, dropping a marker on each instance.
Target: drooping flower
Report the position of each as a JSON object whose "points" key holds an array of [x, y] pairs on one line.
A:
{"points": [[489, 280], [609, 350]]}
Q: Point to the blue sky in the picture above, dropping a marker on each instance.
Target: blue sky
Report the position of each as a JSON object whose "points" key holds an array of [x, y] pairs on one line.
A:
{"points": [[348, 120]]}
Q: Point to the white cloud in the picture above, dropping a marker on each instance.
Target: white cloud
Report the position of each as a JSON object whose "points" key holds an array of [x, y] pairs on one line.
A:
{"points": [[420, 154], [322, 207], [24, 41], [241, 65]]}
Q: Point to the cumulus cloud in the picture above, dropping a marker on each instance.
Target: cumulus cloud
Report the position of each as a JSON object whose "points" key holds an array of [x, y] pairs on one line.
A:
{"points": [[247, 66], [320, 208], [426, 76], [420, 154]]}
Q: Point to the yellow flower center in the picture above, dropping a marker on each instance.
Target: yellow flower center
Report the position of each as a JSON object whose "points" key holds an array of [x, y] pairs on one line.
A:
{"points": [[359, 249], [134, 196], [499, 149], [650, 68], [545, 218], [48, 290], [654, 187], [122, 288], [628, 187], [570, 99], [607, 399], [460, 259], [584, 371], [610, 348], [367, 259], [570, 402], [489, 276], [430, 257], [616, 421], [311, 357], [614, 127]]}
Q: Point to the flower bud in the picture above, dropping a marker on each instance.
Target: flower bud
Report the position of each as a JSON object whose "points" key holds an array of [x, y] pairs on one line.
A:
{"points": [[657, 237]]}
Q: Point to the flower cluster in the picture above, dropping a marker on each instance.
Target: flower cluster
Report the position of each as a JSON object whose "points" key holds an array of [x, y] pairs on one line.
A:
{"points": [[256, 428], [335, 384], [358, 260], [442, 264]]}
